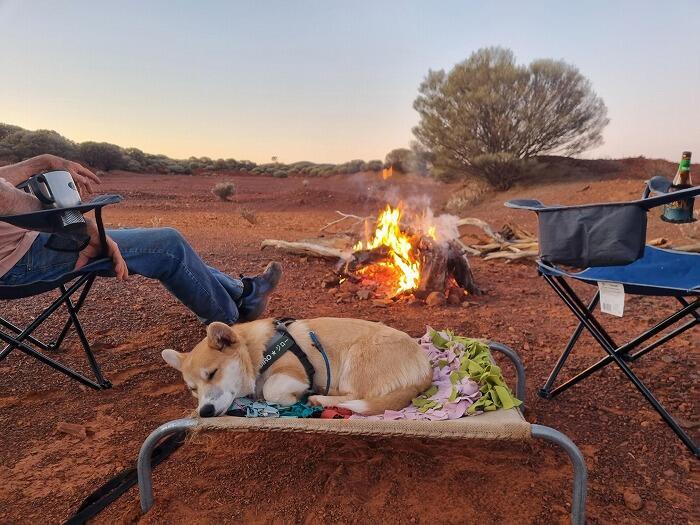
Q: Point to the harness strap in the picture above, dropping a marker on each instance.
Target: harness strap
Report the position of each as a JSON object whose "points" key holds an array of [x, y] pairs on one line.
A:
{"points": [[283, 341]]}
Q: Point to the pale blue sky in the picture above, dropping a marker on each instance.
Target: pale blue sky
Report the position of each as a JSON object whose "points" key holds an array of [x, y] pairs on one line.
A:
{"points": [[323, 80]]}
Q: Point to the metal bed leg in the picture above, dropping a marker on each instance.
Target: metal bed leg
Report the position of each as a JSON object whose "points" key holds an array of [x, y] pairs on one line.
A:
{"points": [[519, 368], [143, 465], [578, 503]]}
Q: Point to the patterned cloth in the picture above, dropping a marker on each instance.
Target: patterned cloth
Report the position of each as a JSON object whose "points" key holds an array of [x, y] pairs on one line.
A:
{"points": [[247, 407]]}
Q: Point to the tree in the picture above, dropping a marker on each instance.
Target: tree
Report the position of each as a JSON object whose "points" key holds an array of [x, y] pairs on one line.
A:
{"points": [[489, 115]]}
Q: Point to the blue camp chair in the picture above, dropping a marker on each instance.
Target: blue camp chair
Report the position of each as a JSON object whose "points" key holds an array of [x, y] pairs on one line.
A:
{"points": [[609, 239], [17, 338]]}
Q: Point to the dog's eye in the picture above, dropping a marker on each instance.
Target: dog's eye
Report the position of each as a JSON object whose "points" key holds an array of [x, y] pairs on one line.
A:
{"points": [[211, 374]]}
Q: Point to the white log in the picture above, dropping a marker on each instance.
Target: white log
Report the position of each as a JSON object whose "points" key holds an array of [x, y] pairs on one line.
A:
{"points": [[306, 248]]}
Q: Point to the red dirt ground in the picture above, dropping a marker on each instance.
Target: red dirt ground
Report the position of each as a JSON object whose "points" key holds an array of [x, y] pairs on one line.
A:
{"points": [[256, 478]]}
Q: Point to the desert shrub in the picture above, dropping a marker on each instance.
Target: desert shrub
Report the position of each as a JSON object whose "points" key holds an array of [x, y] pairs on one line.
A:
{"points": [[489, 105], [102, 155], [464, 198], [250, 215], [22, 144], [375, 165], [224, 190], [280, 174]]}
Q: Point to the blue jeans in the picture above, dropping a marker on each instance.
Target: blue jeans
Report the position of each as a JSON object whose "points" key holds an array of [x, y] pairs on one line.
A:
{"points": [[156, 253]]}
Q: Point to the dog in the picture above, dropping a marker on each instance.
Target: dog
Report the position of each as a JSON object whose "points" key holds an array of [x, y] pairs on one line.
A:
{"points": [[373, 367]]}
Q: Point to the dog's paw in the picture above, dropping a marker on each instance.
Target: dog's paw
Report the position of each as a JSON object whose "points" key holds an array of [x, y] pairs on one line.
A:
{"points": [[316, 401]]}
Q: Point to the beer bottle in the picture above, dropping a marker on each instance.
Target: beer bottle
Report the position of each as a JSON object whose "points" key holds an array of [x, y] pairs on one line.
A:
{"points": [[681, 210], [682, 179]]}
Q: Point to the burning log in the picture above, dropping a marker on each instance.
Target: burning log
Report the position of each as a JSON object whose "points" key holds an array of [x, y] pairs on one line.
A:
{"points": [[458, 267], [439, 262], [433, 262]]}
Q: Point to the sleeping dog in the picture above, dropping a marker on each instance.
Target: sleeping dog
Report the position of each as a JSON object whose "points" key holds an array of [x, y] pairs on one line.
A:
{"points": [[372, 367]]}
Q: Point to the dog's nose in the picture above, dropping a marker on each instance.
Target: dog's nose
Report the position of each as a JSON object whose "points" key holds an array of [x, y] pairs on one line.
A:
{"points": [[207, 410]]}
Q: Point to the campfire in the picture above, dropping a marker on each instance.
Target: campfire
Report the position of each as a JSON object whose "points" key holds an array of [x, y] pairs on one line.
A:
{"points": [[401, 255], [408, 257]]}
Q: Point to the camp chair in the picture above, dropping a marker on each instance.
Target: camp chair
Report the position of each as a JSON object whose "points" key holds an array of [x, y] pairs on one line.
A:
{"points": [[609, 239], [69, 284], [498, 425]]}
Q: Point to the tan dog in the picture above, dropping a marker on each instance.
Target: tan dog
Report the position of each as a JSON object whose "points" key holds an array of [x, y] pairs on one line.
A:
{"points": [[373, 367]]}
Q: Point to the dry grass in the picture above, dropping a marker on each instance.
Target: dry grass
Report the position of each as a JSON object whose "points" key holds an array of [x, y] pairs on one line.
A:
{"points": [[249, 215], [224, 190]]}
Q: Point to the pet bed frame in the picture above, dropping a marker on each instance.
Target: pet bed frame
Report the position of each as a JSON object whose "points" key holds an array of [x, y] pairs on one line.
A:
{"points": [[498, 425]]}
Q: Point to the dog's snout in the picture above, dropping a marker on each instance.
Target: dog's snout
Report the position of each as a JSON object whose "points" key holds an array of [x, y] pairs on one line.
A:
{"points": [[207, 410]]}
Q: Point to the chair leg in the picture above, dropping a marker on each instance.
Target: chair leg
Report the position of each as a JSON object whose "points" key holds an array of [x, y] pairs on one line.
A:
{"points": [[545, 391], [81, 299], [17, 342], [615, 354], [72, 312], [60, 367]]}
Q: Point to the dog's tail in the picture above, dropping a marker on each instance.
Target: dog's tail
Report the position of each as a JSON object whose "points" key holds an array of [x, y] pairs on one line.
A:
{"points": [[394, 400]]}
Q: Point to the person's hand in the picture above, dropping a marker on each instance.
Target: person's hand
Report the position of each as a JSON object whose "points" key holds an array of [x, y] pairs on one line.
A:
{"points": [[83, 177], [93, 249]]}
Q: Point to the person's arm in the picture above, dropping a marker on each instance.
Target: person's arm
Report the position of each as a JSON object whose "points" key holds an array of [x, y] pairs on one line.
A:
{"points": [[14, 201], [93, 249], [21, 171]]}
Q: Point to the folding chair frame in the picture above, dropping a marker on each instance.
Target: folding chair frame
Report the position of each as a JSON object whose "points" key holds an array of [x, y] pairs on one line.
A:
{"points": [[619, 354], [22, 339], [16, 338]]}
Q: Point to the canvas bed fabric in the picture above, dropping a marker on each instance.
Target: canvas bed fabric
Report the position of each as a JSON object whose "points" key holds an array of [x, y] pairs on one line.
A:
{"points": [[609, 234], [499, 424]]}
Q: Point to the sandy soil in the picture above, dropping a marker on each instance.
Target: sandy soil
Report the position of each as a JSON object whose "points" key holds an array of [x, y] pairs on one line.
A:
{"points": [[45, 473]]}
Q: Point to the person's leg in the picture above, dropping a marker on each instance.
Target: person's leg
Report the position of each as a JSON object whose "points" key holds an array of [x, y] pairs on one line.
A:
{"points": [[232, 285], [163, 254]]}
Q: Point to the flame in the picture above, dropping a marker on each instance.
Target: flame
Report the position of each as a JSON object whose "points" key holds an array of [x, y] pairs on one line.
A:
{"points": [[388, 172], [401, 258]]}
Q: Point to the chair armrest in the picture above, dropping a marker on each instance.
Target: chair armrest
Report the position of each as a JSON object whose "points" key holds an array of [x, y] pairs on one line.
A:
{"points": [[525, 204], [45, 220]]}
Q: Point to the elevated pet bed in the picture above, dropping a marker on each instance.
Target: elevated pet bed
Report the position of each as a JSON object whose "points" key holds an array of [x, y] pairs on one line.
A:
{"points": [[501, 424]]}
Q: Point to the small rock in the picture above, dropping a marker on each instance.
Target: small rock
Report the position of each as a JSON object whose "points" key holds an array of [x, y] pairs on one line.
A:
{"points": [[633, 501], [455, 296], [436, 299], [380, 303], [666, 358], [330, 281], [72, 429], [364, 294], [669, 473]]}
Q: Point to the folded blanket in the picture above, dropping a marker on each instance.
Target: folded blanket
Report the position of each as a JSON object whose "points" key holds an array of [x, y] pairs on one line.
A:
{"points": [[465, 382]]}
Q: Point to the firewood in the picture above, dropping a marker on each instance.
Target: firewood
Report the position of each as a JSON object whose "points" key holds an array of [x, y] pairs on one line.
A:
{"points": [[458, 267], [510, 255], [470, 221], [306, 248], [695, 248], [433, 260], [343, 217]]}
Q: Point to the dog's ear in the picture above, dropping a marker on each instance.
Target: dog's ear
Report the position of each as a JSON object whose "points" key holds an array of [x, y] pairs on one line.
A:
{"points": [[173, 358], [220, 335]]}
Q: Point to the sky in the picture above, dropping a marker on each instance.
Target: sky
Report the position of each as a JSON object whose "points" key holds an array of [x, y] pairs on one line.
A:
{"points": [[326, 80]]}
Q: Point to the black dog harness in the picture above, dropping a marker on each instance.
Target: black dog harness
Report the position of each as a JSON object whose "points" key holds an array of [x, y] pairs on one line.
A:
{"points": [[283, 342]]}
